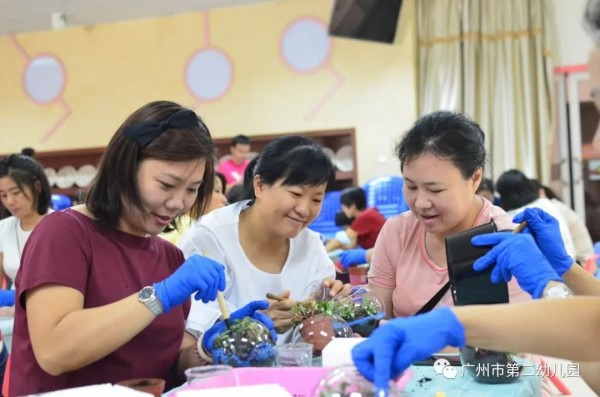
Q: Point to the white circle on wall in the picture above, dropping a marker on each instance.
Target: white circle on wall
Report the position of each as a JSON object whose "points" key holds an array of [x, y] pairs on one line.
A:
{"points": [[305, 45], [44, 78], [209, 74]]}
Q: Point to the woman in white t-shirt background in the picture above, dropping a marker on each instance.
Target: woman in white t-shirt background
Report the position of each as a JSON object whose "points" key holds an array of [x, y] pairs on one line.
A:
{"points": [[517, 192], [263, 242], [25, 194]]}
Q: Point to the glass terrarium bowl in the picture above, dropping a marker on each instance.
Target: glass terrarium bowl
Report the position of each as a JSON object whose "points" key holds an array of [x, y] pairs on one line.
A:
{"points": [[489, 366], [316, 291], [362, 310], [247, 343], [346, 381], [319, 330]]}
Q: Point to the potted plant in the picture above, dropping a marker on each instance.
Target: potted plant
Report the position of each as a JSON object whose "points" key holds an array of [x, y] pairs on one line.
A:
{"points": [[246, 343], [317, 324], [362, 311]]}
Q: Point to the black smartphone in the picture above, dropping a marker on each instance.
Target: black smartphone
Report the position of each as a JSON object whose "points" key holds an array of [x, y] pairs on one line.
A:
{"points": [[470, 287]]}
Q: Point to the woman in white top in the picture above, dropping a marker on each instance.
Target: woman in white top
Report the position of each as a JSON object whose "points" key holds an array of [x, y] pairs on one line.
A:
{"points": [[25, 193], [264, 242], [517, 192]]}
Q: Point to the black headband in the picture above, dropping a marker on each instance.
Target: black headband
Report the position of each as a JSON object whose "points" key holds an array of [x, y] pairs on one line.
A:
{"points": [[146, 132]]}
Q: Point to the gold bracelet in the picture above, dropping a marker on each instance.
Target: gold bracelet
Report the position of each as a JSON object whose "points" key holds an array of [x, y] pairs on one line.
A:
{"points": [[201, 352]]}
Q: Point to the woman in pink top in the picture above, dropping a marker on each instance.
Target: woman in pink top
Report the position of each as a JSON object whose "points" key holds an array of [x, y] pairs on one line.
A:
{"points": [[442, 158]]}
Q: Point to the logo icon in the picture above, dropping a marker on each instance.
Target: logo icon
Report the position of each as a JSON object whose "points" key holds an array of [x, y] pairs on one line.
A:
{"points": [[449, 372], [439, 365], [442, 367]]}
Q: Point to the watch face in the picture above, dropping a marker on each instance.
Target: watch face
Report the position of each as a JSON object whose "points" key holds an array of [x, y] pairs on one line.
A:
{"points": [[146, 293], [557, 291]]}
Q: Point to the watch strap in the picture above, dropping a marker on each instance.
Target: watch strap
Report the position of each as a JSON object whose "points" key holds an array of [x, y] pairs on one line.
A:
{"points": [[151, 302]]}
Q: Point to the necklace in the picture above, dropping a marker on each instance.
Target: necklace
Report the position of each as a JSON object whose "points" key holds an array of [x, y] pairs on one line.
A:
{"points": [[17, 236]]}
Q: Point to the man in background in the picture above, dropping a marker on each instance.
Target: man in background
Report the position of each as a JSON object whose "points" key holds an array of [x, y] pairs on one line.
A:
{"points": [[233, 168]]}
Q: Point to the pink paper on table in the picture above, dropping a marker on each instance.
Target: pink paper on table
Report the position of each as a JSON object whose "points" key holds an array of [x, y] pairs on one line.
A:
{"points": [[299, 381]]}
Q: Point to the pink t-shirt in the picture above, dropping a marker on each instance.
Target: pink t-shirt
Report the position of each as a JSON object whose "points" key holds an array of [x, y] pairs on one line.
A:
{"points": [[105, 265], [233, 172], [400, 261]]}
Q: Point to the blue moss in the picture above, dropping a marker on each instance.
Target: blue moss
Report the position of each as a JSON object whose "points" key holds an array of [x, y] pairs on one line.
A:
{"points": [[367, 319], [262, 355], [366, 325]]}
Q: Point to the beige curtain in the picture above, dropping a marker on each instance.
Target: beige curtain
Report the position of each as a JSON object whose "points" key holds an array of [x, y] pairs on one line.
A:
{"points": [[490, 59]]}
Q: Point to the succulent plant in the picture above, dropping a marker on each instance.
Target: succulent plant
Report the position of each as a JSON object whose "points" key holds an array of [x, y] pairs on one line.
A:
{"points": [[247, 343]]}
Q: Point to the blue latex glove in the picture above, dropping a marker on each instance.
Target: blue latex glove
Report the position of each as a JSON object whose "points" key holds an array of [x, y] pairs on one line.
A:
{"points": [[250, 310], [546, 232], [352, 257], [7, 297], [198, 274], [515, 255], [393, 347]]}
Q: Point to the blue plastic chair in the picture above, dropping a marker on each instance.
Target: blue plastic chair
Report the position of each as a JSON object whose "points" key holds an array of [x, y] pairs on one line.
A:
{"points": [[325, 222], [60, 202], [386, 194]]}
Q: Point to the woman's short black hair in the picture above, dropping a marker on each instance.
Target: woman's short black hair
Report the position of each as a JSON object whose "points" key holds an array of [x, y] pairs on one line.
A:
{"points": [[27, 172], [515, 190], [116, 179], [447, 135], [296, 160], [356, 196]]}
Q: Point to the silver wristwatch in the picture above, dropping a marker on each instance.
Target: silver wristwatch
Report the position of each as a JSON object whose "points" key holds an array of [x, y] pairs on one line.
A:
{"points": [[147, 296], [556, 289]]}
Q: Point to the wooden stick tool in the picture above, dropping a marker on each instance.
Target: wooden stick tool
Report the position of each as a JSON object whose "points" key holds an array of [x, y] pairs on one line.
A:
{"points": [[223, 307], [520, 228]]}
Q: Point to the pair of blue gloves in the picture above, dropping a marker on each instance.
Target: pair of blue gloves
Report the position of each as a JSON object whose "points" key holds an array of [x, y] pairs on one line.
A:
{"points": [[533, 257], [204, 277]]}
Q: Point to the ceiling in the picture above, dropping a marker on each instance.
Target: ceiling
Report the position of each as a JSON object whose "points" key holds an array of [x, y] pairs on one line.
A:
{"points": [[17, 16]]}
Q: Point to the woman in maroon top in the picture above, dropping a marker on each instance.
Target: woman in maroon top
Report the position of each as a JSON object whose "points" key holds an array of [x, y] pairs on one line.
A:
{"points": [[100, 297]]}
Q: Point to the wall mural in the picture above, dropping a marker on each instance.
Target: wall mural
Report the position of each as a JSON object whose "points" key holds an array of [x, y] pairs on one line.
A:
{"points": [[44, 80], [306, 47], [209, 71]]}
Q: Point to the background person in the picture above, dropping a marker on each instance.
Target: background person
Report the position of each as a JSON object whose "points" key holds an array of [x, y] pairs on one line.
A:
{"points": [[366, 222], [233, 168], [517, 193]]}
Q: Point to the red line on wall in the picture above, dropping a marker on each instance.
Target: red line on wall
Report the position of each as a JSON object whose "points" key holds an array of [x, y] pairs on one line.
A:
{"points": [[66, 113], [19, 48], [206, 29], [338, 81]]}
